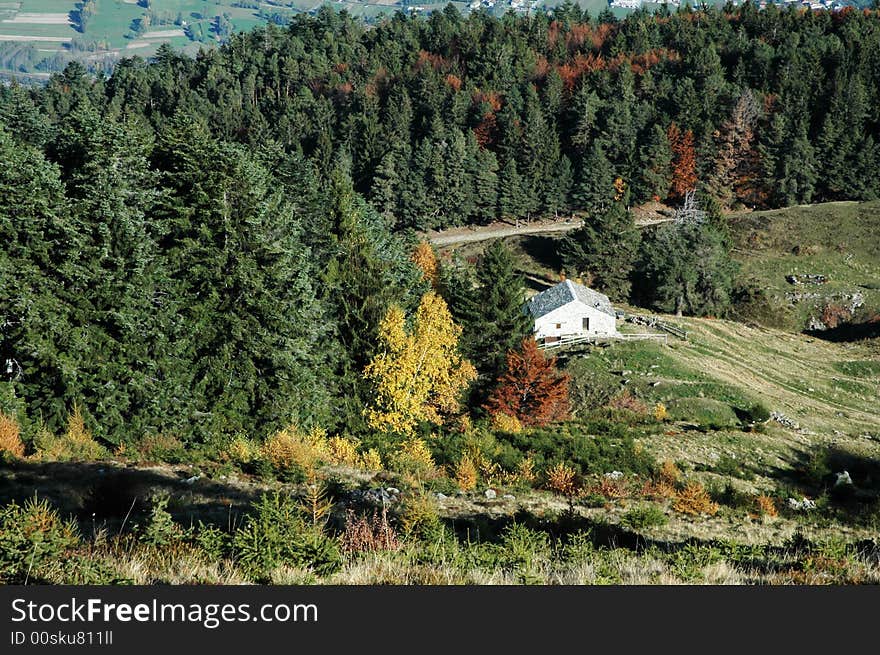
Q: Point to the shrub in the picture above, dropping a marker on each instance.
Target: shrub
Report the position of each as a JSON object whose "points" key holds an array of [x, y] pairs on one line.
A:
{"points": [[160, 529], [292, 448], [595, 447], [611, 488], [213, 541], [765, 506], [75, 444], [660, 412], [242, 451], [275, 534], [161, 447], [669, 473], [562, 479], [522, 546], [466, 473], [628, 402], [32, 536], [365, 534], [414, 457], [342, 451], [10, 436], [758, 413], [418, 516], [694, 499], [506, 423], [647, 516], [371, 460], [525, 469]]}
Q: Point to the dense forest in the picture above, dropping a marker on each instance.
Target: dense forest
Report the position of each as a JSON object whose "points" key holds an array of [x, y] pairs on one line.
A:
{"points": [[223, 244]]}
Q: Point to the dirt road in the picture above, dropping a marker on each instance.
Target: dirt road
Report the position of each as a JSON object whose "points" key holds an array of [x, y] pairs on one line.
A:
{"points": [[499, 230]]}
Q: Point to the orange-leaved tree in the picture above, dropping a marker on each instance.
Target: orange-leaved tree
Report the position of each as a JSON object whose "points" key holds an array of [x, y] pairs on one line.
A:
{"points": [[531, 389], [684, 161], [418, 373], [426, 261]]}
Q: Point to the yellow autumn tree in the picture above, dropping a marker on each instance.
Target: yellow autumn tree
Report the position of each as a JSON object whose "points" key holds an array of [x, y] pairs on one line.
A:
{"points": [[426, 261], [418, 374]]}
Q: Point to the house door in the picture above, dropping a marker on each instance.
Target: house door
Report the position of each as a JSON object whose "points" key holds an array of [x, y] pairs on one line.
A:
{"points": [[586, 323]]}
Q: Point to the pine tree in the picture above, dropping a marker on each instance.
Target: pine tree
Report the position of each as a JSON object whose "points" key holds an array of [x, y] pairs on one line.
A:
{"points": [[37, 251], [251, 338], [558, 187], [511, 200], [685, 267], [655, 168], [603, 249], [484, 174], [491, 311], [594, 189]]}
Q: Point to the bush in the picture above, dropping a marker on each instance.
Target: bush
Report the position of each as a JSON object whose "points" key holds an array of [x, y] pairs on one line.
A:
{"points": [[275, 534], [466, 473], [522, 546], [10, 436], [660, 412], [366, 534], [291, 449], [160, 529], [758, 413], [628, 402], [506, 423], [595, 447], [32, 536], [75, 444], [162, 448], [562, 479], [419, 518], [647, 516], [765, 506], [711, 414], [694, 499], [414, 457]]}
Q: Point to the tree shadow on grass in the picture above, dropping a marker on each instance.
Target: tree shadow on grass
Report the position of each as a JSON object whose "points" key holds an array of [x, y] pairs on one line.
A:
{"points": [[110, 495], [848, 332], [544, 250]]}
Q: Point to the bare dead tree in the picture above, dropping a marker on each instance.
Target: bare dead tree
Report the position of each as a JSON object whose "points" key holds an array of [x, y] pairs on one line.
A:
{"points": [[690, 211]]}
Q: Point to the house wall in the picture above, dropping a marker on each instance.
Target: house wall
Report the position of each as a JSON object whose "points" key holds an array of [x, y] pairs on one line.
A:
{"points": [[570, 317]]}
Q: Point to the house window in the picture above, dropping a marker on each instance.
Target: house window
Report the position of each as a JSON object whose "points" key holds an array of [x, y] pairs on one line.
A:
{"points": [[559, 326], [586, 323]]}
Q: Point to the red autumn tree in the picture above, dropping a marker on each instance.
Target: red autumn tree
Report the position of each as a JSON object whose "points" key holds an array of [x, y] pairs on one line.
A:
{"points": [[531, 389], [684, 162]]}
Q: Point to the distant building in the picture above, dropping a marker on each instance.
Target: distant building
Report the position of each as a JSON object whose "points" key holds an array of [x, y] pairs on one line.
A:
{"points": [[571, 310]]}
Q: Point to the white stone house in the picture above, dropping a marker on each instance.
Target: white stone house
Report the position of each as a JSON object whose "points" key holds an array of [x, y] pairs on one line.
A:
{"points": [[569, 309]]}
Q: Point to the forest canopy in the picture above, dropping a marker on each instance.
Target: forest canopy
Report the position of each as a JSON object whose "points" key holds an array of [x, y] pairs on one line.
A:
{"points": [[209, 245]]}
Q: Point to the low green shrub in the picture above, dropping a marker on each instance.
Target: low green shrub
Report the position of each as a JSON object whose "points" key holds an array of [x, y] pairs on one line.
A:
{"points": [[275, 534], [160, 529], [646, 516], [32, 535]]}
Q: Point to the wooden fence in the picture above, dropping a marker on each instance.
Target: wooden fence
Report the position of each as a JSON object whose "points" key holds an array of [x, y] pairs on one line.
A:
{"points": [[586, 339]]}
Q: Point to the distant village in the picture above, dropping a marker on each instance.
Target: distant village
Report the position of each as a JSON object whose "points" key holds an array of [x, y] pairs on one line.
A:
{"points": [[529, 6]]}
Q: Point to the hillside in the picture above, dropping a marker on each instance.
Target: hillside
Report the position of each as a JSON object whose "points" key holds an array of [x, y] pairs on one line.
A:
{"points": [[839, 241]]}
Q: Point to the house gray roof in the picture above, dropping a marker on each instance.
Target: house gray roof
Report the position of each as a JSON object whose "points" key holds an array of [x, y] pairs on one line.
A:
{"points": [[564, 293]]}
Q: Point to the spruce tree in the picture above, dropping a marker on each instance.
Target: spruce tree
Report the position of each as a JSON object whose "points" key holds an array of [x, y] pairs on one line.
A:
{"points": [[491, 312], [594, 190], [603, 250]]}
